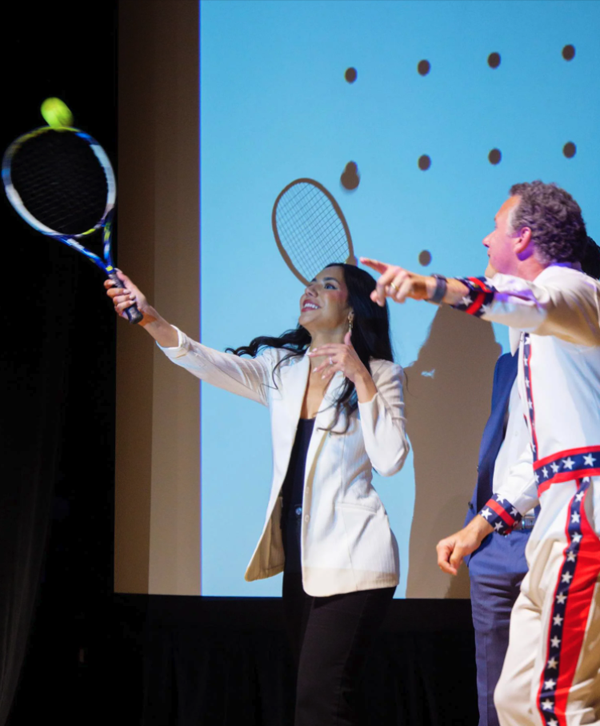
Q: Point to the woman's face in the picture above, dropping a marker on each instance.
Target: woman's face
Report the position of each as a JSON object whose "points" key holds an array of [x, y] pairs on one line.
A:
{"points": [[324, 305]]}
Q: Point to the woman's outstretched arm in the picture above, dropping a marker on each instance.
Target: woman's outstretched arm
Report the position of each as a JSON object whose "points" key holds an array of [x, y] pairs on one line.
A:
{"points": [[155, 325], [247, 377]]}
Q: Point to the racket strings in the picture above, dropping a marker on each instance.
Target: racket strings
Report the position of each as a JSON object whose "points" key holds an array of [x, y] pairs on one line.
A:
{"points": [[310, 229], [60, 181]]}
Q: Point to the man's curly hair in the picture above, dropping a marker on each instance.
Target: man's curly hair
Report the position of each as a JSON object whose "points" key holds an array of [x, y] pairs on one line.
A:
{"points": [[554, 218]]}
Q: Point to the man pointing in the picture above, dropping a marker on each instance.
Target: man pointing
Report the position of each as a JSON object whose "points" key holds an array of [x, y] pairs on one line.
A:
{"points": [[551, 672]]}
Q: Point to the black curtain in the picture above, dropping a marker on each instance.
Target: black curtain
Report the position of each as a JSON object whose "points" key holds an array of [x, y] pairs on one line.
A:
{"points": [[57, 373], [187, 661], [35, 375]]}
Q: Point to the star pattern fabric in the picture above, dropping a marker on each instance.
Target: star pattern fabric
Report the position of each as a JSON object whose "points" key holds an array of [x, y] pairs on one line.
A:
{"points": [[480, 295], [566, 466], [501, 514], [552, 669], [526, 359]]}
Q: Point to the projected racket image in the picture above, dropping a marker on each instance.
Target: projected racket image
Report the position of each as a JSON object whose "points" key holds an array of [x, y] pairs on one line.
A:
{"points": [[310, 229], [61, 182]]}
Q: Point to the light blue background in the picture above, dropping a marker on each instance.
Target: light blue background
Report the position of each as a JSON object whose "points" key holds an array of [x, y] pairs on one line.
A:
{"points": [[275, 107]]}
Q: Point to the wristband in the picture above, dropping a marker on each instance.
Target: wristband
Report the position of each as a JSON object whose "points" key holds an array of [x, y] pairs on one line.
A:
{"points": [[441, 285]]}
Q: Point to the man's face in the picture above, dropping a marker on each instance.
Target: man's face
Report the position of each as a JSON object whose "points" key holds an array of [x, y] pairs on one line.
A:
{"points": [[501, 241]]}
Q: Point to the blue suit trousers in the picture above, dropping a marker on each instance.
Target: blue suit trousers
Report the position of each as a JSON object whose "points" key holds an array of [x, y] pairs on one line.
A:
{"points": [[496, 570]]}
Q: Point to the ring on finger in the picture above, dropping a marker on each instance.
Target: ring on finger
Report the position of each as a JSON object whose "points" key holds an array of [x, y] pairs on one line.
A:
{"points": [[330, 361], [394, 287]]}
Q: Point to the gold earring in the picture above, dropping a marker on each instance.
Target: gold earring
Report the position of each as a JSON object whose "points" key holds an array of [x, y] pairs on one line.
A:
{"points": [[350, 321]]}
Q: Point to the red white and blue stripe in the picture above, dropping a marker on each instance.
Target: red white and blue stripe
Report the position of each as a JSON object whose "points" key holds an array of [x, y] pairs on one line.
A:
{"points": [[526, 341], [479, 296], [573, 597], [566, 466], [501, 515]]}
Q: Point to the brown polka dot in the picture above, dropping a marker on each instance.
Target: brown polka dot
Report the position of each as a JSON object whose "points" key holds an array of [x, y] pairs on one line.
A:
{"points": [[569, 150], [350, 178], [424, 162], [568, 52], [350, 75], [495, 156], [424, 67], [425, 257], [494, 60]]}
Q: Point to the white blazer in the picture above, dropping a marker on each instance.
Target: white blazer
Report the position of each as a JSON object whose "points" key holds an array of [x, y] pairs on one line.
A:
{"points": [[346, 543]]}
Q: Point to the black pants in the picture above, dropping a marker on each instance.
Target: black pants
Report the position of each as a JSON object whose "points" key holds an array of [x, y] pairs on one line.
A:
{"points": [[330, 637]]}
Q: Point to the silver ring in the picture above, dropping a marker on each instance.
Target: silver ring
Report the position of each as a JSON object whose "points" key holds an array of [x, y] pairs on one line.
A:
{"points": [[330, 361]]}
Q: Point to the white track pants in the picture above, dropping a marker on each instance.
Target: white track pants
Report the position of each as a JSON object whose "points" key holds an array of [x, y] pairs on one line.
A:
{"points": [[551, 675]]}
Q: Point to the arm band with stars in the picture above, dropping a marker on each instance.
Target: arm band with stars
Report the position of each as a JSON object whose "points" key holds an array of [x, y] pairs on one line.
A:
{"points": [[479, 296], [501, 515]]}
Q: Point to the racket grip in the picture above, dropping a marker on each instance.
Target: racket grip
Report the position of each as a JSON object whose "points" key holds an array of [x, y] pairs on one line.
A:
{"points": [[133, 314]]}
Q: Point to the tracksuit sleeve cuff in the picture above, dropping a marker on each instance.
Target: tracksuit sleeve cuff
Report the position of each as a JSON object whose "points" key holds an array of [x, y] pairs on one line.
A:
{"points": [[478, 298], [501, 514]]}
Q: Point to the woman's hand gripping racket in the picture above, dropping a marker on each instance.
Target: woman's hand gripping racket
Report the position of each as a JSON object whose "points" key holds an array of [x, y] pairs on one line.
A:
{"points": [[59, 179], [310, 229]]}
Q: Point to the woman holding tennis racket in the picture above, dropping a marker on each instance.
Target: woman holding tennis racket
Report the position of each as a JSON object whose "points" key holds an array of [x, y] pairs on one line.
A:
{"points": [[335, 399]]}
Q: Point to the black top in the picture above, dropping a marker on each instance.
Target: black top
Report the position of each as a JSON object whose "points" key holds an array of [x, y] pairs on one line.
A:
{"points": [[292, 491]]}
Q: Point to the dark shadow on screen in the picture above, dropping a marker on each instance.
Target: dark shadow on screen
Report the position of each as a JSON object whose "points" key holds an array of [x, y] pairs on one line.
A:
{"points": [[448, 397]]}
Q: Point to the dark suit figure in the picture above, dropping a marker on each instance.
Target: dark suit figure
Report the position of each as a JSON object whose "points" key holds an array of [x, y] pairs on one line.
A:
{"points": [[497, 568]]}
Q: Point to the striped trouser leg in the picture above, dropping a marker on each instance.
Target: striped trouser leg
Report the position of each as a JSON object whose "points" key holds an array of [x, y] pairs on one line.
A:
{"points": [[551, 676]]}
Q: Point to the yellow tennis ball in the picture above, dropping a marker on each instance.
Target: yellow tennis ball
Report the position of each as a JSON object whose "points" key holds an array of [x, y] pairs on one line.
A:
{"points": [[56, 113]]}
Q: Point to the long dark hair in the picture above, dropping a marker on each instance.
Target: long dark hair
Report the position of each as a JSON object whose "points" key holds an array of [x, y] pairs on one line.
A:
{"points": [[370, 335]]}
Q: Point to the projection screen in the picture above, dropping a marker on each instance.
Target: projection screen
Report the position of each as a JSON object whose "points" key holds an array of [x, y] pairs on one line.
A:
{"points": [[417, 117]]}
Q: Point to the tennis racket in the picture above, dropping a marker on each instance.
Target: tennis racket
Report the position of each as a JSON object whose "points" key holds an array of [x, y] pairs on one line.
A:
{"points": [[62, 184], [310, 229]]}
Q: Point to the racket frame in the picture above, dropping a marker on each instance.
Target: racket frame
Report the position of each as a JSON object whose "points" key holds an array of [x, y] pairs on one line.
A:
{"points": [[350, 260], [105, 222]]}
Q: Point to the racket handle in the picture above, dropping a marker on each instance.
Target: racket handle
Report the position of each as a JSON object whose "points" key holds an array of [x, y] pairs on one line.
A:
{"points": [[133, 314]]}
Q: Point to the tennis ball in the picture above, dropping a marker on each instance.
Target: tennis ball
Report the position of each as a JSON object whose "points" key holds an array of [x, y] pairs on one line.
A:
{"points": [[56, 113]]}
